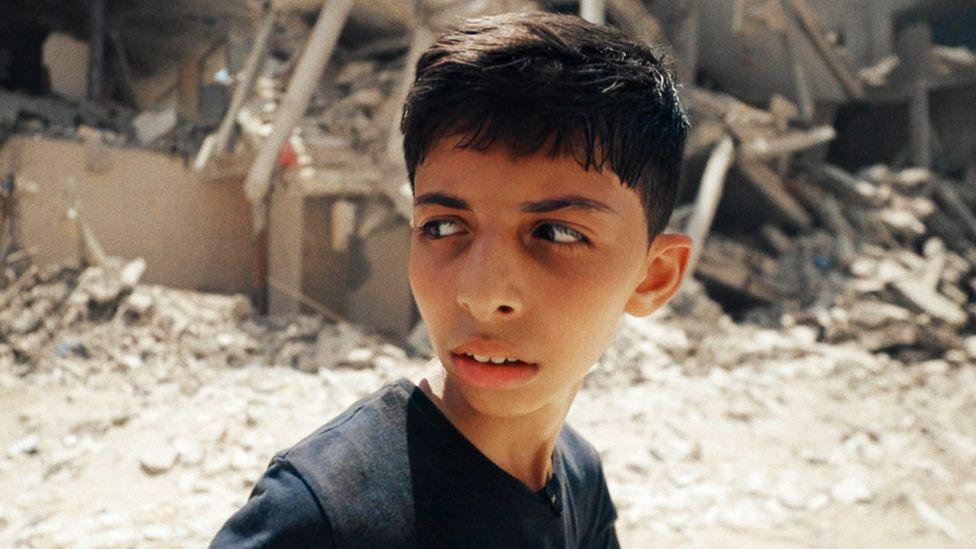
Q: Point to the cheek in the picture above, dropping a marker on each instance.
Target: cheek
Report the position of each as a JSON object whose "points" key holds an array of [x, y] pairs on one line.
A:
{"points": [[597, 284], [429, 281], [586, 303], [418, 272]]}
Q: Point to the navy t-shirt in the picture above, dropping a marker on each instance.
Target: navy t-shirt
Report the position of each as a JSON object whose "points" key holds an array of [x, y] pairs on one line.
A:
{"points": [[392, 471]]}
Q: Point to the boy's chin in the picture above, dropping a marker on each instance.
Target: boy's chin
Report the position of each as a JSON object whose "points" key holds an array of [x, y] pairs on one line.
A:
{"points": [[505, 403]]}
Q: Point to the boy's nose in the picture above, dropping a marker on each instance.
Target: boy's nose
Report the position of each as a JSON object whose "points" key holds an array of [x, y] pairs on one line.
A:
{"points": [[487, 286]]}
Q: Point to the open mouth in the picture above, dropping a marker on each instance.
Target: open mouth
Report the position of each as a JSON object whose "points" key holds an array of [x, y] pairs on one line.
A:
{"points": [[493, 359], [489, 372]]}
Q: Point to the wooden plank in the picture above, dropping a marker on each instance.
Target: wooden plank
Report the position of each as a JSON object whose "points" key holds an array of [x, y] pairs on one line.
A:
{"points": [[953, 204], [916, 40], [393, 108], [125, 71], [798, 76], [930, 301], [738, 268], [188, 86], [318, 51], [244, 86], [96, 50], [779, 241], [805, 16], [709, 194], [217, 143], [844, 185], [593, 11], [769, 185], [766, 148]]}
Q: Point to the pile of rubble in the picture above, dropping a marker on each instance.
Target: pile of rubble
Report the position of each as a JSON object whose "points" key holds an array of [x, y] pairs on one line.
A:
{"points": [[83, 324], [347, 118], [883, 256], [747, 429], [109, 125], [183, 397], [180, 397]]}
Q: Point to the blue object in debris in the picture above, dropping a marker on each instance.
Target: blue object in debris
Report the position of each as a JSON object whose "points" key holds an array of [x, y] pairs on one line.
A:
{"points": [[823, 262]]}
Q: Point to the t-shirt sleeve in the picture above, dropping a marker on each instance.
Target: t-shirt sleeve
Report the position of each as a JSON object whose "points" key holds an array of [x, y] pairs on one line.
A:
{"points": [[281, 512], [605, 538], [604, 532]]}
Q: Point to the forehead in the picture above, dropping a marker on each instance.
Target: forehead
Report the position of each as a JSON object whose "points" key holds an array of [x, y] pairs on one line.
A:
{"points": [[497, 175]]}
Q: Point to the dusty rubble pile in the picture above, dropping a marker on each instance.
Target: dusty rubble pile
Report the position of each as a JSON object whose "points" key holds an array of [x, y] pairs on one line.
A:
{"points": [[831, 430], [102, 124], [92, 321], [345, 118], [882, 256], [751, 428]]}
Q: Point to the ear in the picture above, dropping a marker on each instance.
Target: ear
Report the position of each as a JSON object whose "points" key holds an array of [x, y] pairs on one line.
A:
{"points": [[667, 259]]}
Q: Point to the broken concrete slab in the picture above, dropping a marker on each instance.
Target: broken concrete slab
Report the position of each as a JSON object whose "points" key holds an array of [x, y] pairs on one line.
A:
{"points": [[151, 125]]}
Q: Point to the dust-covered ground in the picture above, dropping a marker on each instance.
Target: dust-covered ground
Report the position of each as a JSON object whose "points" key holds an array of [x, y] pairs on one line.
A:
{"points": [[143, 418]]}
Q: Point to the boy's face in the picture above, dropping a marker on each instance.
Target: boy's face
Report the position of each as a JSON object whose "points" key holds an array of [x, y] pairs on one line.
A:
{"points": [[532, 259]]}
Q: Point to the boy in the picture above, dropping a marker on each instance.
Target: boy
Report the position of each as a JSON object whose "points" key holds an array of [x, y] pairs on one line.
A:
{"points": [[544, 153]]}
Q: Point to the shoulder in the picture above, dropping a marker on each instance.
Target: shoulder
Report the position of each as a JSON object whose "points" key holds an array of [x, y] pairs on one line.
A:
{"points": [[581, 459], [584, 473], [582, 468], [305, 494], [371, 429], [280, 512], [357, 467]]}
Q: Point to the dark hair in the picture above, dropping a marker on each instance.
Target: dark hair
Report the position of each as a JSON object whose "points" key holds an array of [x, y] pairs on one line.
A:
{"points": [[526, 80]]}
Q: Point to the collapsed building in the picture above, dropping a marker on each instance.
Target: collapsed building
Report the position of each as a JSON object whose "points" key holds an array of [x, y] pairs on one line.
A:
{"points": [[253, 147]]}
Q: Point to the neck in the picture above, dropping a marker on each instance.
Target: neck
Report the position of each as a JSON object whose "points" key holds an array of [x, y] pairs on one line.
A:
{"points": [[521, 445]]}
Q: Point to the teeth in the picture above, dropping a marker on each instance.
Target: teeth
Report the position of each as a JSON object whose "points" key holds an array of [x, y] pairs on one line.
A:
{"points": [[492, 360]]}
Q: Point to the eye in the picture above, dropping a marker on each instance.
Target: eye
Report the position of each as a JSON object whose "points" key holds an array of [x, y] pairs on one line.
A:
{"points": [[439, 228], [560, 234]]}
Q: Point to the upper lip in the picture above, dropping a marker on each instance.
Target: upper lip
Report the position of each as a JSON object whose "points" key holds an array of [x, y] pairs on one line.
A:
{"points": [[483, 346]]}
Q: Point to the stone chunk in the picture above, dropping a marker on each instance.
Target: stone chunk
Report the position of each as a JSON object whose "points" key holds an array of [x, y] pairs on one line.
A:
{"points": [[27, 445], [150, 125], [852, 489], [158, 458]]}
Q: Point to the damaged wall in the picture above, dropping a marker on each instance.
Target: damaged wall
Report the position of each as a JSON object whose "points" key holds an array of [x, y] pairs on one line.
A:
{"points": [[66, 59], [139, 204], [363, 279]]}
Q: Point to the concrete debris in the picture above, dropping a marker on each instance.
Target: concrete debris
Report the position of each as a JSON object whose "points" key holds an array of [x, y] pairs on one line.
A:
{"points": [[934, 518], [837, 250], [877, 74], [67, 312], [852, 490], [158, 458], [689, 387], [113, 126], [949, 58], [150, 125], [344, 113], [27, 445]]}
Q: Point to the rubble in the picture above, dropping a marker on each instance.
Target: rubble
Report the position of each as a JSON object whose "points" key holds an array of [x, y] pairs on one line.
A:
{"points": [[816, 372], [100, 316], [150, 126], [157, 458], [737, 427], [858, 244]]}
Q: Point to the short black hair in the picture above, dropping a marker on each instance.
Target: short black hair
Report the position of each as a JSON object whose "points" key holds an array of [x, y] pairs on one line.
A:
{"points": [[534, 80]]}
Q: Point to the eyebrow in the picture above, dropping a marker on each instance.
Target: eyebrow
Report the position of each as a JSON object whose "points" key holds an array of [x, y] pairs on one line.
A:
{"points": [[542, 206]]}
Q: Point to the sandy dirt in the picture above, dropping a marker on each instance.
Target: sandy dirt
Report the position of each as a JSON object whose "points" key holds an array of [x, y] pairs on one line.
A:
{"points": [[147, 427]]}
